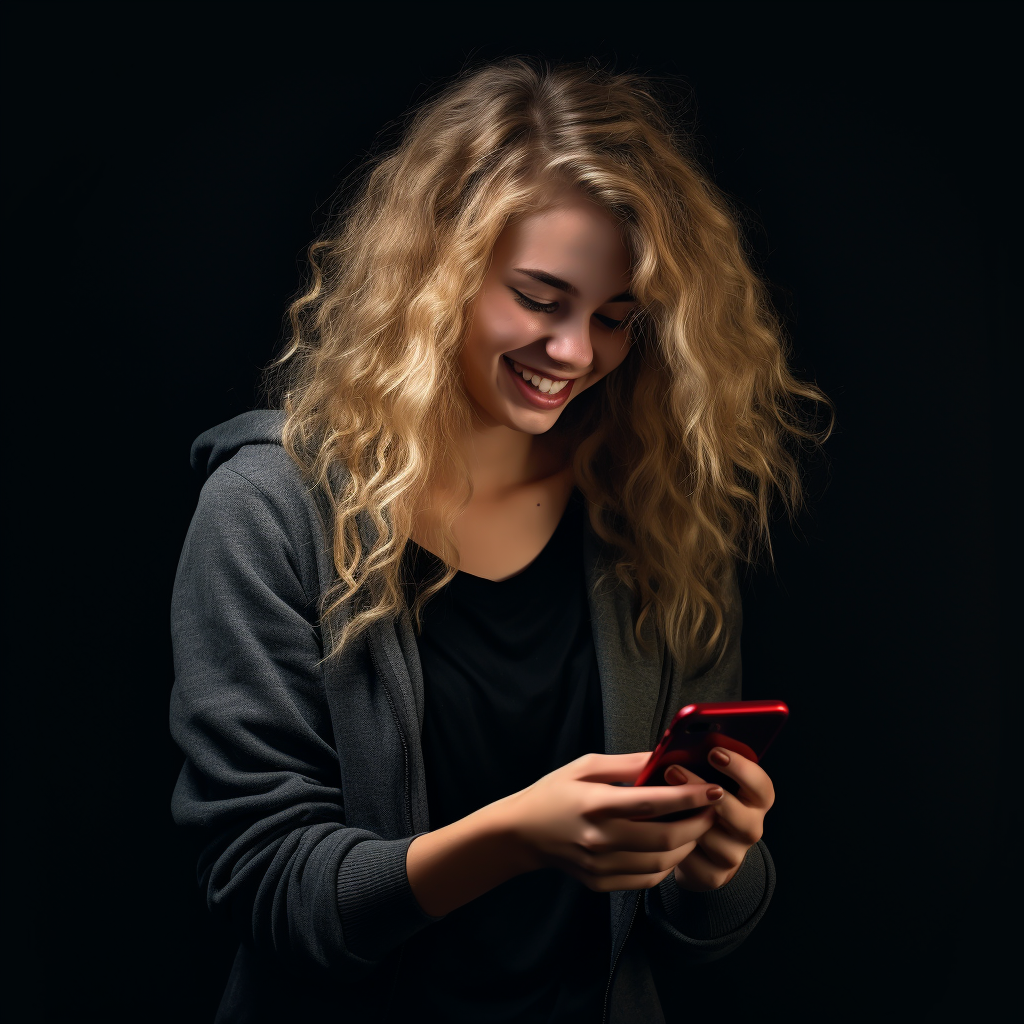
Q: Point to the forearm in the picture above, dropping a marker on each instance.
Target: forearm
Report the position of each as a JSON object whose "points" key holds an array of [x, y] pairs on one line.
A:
{"points": [[451, 866]]}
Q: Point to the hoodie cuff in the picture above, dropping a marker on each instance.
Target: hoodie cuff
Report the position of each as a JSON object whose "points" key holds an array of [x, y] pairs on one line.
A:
{"points": [[717, 912], [375, 901]]}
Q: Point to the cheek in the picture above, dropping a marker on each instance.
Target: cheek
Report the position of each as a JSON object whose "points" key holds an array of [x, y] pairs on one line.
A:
{"points": [[607, 360], [496, 327], [616, 353], [612, 355]]}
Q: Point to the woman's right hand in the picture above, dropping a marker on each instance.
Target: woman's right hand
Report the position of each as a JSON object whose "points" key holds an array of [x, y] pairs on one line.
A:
{"points": [[574, 820]]}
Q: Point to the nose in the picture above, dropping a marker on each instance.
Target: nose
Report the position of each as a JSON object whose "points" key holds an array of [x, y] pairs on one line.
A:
{"points": [[569, 348]]}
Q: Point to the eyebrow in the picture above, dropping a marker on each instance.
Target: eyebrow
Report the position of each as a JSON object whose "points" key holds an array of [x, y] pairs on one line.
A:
{"points": [[563, 286]]}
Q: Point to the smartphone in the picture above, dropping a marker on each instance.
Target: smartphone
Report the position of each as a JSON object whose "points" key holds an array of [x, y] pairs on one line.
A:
{"points": [[745, 726]]}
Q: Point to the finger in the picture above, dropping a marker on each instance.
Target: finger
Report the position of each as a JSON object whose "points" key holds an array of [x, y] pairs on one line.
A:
{"points": [[617, 883], [640, 802], [646, 836], [721, 849], [680, 776], [617, 863], [739, 821], [756, 789], [610, 767], [742, 822], [699, 869]]}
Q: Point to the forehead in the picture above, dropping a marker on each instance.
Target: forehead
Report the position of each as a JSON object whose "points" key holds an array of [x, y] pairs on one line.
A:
{"points": [[577, 240]]}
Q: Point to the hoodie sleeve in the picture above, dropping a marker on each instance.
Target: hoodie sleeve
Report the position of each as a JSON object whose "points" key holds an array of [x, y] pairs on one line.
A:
{"points": [[261, 782], [708, 925], [704, 926]]}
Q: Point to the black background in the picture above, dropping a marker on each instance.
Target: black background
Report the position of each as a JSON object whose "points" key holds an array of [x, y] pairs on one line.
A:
{"points": [[168, 165]]}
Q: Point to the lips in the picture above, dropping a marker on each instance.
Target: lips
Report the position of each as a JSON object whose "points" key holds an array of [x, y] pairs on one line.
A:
{"points": [[534, 397], [540, 373]]}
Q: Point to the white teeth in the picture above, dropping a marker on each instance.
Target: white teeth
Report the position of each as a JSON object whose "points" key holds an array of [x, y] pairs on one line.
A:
{"points": [[542, 384]]}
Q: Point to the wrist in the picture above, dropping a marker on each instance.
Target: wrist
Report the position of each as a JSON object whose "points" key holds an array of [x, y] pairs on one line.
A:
{"points": [[455, 864], [694, 885], [689, 885], [504, 822]]}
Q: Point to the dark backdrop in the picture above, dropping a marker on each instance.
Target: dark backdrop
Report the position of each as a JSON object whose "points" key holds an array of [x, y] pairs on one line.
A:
{"points": [[168, 166]]}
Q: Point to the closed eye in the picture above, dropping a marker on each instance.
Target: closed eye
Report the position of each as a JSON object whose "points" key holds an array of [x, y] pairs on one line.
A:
{"points": [[550, 307], [536, 307]]}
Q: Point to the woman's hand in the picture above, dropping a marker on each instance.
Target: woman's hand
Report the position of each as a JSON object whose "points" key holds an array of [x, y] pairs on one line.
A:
{"points": [[718, 852], [573, 819]]}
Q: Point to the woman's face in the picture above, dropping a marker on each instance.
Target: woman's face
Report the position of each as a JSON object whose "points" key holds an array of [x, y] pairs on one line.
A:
{"points": [[553, 301]]}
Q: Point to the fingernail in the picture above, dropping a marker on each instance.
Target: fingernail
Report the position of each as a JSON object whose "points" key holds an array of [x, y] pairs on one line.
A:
{"points": [[675, 772], [719, 757], [715, 792]]}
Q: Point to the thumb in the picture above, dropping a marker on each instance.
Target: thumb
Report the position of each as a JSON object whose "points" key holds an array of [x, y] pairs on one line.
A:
{"points": [[612, 767]]}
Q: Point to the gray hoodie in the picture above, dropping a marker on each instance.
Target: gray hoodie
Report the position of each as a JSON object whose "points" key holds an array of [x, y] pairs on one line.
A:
{"points": [[305, 784]]}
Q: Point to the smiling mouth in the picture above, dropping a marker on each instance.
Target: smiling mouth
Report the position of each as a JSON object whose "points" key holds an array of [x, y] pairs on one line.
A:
{"points": [[539, 373], [537, 380]]}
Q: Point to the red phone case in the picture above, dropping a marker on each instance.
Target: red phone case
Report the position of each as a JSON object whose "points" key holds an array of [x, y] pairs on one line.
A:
{"points": [[745, 726]]}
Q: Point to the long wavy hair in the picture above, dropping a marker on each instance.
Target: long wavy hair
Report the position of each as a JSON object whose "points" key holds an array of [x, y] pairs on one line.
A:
{"points": [[680, 452]]}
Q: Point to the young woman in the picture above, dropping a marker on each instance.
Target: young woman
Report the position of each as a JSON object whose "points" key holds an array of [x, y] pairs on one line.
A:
{"points": [[434, 612]]}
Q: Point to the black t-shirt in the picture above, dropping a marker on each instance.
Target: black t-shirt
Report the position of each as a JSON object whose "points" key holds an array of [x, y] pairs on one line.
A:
{"points": [[511, 692]]}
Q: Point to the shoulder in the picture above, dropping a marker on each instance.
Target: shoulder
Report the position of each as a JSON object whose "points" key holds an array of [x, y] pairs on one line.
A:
{"points": [[267, 468], [257, 510], [244, 462], [260, 476]]}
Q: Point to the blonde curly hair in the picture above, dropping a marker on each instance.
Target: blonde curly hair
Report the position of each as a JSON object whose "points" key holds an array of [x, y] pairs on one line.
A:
{"points": [[679, 451]]}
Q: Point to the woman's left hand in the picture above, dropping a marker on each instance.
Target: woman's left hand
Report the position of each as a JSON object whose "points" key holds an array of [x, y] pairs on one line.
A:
{"points": [[739, 823]]}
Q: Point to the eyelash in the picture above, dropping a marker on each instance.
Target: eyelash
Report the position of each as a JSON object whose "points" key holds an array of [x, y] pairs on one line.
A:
{"points": [[550, 307]]}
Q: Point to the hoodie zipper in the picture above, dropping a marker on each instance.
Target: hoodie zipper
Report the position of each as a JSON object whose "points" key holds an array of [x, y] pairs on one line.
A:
{"points": [[405, 758], [615, 962]]}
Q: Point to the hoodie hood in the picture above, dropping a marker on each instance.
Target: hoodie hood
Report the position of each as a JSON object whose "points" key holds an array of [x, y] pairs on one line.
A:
{"points": [[219, 443]]}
